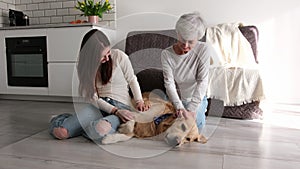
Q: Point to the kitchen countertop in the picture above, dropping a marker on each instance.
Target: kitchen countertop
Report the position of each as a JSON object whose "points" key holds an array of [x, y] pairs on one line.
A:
{"points": [[52, 26]]}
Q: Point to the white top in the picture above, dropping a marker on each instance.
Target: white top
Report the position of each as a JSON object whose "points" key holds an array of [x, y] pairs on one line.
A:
{"points": [[117, 87], [190, 71]]}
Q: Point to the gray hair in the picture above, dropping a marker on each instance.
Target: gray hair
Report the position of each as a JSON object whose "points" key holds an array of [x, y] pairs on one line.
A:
{"points": [[190, 26]]}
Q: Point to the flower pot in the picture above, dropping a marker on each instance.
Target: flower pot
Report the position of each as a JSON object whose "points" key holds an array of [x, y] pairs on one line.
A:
{"points": [[93, 19]]}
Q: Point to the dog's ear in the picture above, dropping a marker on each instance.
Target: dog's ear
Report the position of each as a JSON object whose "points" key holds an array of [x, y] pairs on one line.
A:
{"points": [[194, 135]]}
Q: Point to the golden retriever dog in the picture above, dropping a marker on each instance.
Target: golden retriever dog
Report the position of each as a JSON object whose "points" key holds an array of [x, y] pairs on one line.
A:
{"points": [[160, 121]]}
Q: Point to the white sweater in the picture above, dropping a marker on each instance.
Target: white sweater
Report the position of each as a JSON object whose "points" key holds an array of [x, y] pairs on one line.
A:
{"points": [[117, 88], [190, 71]]}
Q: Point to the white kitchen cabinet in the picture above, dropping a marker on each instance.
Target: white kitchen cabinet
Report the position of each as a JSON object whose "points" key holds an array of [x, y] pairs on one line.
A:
{"points": [[18, 90], [62, 79], [63, 45], [3, 81], [40, 91], [63, 49]]}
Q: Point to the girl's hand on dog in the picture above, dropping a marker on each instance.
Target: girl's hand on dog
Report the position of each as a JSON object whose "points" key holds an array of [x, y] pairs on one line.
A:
{"points": [[125, 115], [141, 106], [186, 114]]}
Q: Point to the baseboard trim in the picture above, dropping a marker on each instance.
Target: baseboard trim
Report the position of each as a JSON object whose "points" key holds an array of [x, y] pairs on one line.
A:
{"points": [[41, 98]]}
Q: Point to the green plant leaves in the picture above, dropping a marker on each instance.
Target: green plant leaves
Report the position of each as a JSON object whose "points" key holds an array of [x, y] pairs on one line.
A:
{"points": [[90, 8]]}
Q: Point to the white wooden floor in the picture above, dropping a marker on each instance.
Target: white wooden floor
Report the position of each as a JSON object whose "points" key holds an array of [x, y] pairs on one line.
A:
{"points": [[233, 144]]}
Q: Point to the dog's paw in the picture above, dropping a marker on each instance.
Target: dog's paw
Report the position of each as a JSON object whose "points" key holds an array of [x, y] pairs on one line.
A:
{"points": [[147, 103], [202, 139], [126, 128], [114, 138]]}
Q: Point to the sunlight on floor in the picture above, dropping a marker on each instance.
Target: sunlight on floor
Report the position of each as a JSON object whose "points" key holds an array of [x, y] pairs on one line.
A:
{"points": [[279, 68], [281, 115]]}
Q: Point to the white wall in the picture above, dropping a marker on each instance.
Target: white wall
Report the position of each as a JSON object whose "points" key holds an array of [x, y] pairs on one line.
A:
{"points": [[278, 23]]}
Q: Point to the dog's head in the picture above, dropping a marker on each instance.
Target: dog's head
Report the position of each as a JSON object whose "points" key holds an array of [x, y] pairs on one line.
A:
{"points": [[182, 131]]}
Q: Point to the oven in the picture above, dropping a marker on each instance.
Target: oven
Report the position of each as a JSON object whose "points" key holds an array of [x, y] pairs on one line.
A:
{"points": [[27, 61]]}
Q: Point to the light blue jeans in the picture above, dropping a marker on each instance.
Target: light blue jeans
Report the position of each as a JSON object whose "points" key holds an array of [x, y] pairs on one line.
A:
{"points": [[200, 113], [85, 121]]}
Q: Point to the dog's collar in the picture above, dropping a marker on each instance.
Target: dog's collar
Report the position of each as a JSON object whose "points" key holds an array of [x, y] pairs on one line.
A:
{"points": [[159, 119]]}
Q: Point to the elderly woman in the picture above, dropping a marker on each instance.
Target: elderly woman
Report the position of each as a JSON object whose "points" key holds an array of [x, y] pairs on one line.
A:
{"points": [[187, 63], [104, 76]]}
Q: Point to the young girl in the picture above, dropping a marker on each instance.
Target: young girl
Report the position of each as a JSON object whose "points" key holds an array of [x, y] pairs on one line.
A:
{"points": [[104, 75]]}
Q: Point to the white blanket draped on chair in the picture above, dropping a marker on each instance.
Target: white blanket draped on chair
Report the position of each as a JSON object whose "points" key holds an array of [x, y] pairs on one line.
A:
{"points": [[235, 86], [234, 75]]}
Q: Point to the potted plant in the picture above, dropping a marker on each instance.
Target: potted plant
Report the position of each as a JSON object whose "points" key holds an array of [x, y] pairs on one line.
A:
{"points": [[93, 10]]}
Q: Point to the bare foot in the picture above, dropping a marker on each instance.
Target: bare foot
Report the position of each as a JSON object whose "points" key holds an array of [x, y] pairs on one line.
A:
{"points": [[60, 133]]}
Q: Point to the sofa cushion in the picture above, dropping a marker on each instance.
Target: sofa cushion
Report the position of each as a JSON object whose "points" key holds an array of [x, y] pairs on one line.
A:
{"points": [[151, 79], [160, 39]]}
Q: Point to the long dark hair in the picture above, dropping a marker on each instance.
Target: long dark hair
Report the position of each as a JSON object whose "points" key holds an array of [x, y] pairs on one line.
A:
{"points": [[89, 67], [105, 70]]}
